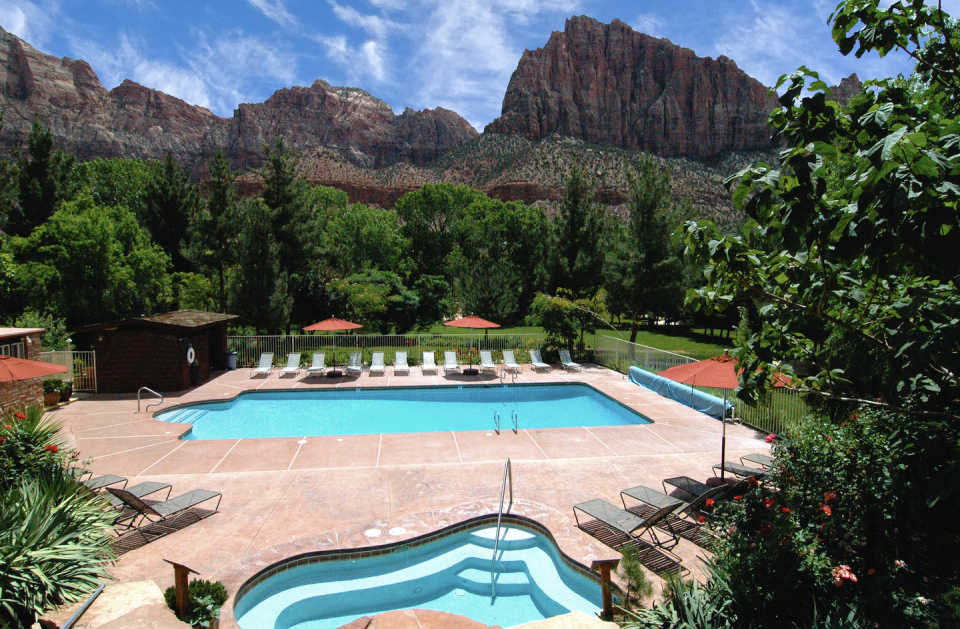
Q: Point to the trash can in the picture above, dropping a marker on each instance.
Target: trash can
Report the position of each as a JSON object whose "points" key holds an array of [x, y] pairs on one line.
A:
{"points": [[232, 361]]}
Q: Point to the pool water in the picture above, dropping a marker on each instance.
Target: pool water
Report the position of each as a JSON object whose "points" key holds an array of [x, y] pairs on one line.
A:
{"points": [[451, 574], [400, 410]]}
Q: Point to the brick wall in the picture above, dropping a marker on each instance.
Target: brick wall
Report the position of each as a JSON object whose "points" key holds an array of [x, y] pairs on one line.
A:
{"points": [[33, 349], [15, 395]]}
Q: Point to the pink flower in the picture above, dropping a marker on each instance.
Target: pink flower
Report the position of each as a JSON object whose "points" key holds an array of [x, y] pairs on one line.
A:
{"points": [[826, 509], [900, 563], [843, 572], [770, 438]]}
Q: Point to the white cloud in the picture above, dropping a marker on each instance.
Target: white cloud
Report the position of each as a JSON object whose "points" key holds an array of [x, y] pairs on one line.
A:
{"points": [[30, 22], [375, 25], [275, 10], [374, 61], [213, 74], [390, 5], [648, 23]]}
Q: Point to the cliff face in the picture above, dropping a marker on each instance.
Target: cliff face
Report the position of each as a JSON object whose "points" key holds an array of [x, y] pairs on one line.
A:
{"points": [[134, 121], [609, 84]]}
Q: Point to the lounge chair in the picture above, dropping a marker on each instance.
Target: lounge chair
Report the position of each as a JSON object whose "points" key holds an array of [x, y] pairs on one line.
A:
{"points": [[693, 490], [567, 362], [763, 460], [651, 500], [617, 527], [154, 519], [293, 364], [376, 363], [265, 366], [486, 361], [536, 361], [319, 364], [356, 364], [510, 363], [400, 363], [741, 471], [450, 362], [429, 363], [105, 481], [141, 490]]}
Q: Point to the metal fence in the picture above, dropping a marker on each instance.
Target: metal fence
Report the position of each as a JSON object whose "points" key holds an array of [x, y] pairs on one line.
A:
{"points": [[81, 368], [17, 350], [777, 411], [249, 348]]}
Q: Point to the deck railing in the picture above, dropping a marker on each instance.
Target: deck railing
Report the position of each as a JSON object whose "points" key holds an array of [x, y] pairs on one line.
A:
{"points": [[81, 368]]}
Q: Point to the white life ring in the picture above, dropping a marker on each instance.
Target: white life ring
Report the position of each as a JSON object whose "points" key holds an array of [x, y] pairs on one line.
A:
{"points": [[191, 355]]}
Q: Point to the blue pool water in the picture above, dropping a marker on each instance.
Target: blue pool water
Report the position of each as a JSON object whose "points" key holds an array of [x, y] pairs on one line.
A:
{"points": [[400, 410], [451, 574]]}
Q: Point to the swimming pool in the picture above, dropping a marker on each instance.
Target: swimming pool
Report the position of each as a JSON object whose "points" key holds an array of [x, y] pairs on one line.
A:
{"points": [[400, 410], [444, 572]]}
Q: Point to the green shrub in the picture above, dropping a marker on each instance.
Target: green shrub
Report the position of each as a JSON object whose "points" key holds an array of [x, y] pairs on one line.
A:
{"points": [[30, 446], [51, 385], [205, 600]]}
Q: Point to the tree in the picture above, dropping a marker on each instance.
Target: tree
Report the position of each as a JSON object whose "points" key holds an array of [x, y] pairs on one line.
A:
{"points": [[358, 238], [90, 264], [9, 177], [295, 224], [212, 234], [378, 299], [566, 318], [259, 292], [115, 182], [43, 182], [578, 230], [643, 271], [170, 202]]}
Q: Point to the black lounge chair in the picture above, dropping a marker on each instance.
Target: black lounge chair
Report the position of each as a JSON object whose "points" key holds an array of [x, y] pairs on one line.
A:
{"points": [[686, 527], [618, 528], [763, 460], [141, 490], [742, 471], [152, 519], [101, 482]]}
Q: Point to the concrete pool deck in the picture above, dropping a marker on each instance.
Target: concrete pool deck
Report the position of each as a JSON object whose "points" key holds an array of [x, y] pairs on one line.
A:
{"points": [[286, 496]]}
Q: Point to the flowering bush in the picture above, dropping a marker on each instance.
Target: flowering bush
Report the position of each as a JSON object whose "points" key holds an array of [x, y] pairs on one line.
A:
{"points": [[837, 529], [30, 445]]}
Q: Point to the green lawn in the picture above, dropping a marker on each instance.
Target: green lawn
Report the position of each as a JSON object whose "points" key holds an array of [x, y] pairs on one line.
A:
{"points": [[697, 346]]}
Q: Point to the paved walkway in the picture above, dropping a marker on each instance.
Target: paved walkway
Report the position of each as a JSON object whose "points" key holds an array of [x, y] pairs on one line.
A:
{"points": [[282, 497]]}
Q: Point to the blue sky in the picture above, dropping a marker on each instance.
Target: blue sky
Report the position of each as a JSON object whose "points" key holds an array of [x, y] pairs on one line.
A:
{"points": [[457, 54]]}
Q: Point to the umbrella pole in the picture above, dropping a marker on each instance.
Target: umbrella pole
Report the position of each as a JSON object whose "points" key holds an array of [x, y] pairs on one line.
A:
{"points": [[723, 440]]}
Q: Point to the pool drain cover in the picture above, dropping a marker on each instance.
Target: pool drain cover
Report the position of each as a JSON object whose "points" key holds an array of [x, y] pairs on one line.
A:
{"points": [[398, 530], [459, 592], [372, 533]]}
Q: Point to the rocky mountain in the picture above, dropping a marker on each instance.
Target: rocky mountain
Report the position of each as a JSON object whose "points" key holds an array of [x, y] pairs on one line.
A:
{"points": [[608, 84], [135, 121]]}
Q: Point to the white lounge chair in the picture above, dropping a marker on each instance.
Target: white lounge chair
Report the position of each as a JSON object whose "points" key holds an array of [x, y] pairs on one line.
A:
{"points": [[510, 363], [486, 361], [293, 364], [429, 363], [400, 363], [567, 362], [536, 361], [450, 362], [265, 366], [376, 363], [356, 364], [319, 364]]}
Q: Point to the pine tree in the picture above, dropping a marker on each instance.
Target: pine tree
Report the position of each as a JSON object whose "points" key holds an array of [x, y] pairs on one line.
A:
{"points": [[43, 182], [578, 235], [171, 200]]}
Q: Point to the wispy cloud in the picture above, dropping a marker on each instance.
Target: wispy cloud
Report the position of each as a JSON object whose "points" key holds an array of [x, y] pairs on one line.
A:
{"points": [[375, 25], [648, 23], [275, 10], [31, 22]]}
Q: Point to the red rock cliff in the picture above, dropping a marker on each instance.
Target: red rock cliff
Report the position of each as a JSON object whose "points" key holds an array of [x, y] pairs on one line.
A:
{"points": [[608, 84]]}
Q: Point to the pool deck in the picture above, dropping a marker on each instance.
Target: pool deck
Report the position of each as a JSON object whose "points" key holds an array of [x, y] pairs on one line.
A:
{"points": [[285, 496]]}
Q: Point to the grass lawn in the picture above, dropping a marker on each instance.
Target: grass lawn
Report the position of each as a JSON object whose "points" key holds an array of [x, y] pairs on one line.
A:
{"points": [[698, 346]]}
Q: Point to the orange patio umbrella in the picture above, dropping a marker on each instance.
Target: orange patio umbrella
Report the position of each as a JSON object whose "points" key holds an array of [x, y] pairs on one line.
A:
{"points": [[333, 325], [474, 323], [15, 369]]}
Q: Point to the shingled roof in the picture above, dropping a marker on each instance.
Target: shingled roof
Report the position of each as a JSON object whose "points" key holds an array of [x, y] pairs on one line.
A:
{"points": [[189, 319]]}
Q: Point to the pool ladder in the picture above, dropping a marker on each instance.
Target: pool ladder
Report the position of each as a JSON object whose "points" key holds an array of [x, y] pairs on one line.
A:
{"points": [[507, 473], [513, 417], [142, 389]]}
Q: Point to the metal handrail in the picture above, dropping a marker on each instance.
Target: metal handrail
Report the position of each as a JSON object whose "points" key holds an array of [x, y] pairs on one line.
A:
{"points": [[496, 420], [83, 608], [507, 472], [516, 422], [142, 389]]}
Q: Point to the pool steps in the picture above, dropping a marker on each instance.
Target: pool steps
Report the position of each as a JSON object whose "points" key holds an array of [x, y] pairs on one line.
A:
{"points": [[524, 568]]}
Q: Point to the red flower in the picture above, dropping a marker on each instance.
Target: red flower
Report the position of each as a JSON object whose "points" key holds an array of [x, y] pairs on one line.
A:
{"points": [[853, 415], [20, 416], [843, 423], [830, 495], [770, 438], [826, 509], [51, 448], [829, 438], [784, 510], [871, 571], [768, 502], [2, 439], [738, 498], [702, 519], [709, 503], [753, 481], [8, 427], [765, 529]]}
